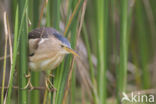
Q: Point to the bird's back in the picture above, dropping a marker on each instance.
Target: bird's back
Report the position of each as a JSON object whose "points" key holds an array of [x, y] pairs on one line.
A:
{"points": [[47, 32], [43, 32]]}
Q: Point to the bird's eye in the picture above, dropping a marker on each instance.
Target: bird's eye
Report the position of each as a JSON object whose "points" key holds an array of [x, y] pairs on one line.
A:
{"points": [[62, 46], [32, 54]]}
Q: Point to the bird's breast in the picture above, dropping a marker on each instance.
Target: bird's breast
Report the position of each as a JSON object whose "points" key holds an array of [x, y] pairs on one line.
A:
{"points": [[46, 64]]}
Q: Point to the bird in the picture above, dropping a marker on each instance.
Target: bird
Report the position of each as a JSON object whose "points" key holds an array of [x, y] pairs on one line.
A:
{"points": [[47, 49]]}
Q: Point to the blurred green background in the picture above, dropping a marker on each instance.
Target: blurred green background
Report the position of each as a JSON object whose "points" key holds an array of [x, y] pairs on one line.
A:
{"points": [[115, 40]]}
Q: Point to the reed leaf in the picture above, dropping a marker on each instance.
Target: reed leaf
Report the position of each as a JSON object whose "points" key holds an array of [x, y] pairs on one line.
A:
{"points": [[15, 51]]}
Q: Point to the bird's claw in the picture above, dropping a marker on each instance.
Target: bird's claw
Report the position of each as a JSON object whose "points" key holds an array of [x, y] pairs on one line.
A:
{"points": [[28, 75], [29, 85], [47, 83]]}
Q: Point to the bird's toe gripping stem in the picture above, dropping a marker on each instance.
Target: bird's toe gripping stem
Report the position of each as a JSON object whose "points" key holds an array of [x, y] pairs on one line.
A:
{"points": [[28, 85], [48, 83]]}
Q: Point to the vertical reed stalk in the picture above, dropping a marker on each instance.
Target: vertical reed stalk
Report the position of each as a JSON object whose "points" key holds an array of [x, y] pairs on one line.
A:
{"points": [[122, 71], [142, 36], [102, 22], [92, 75], [35, 76], [15, 50], [23, 49], [59, 70], [5, 55]]}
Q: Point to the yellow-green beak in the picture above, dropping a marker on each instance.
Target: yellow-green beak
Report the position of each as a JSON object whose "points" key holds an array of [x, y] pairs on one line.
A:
{"points": [[71, 51]]}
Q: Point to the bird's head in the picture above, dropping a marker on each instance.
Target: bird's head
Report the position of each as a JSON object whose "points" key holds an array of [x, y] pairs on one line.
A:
{"points": [[64, 45]]}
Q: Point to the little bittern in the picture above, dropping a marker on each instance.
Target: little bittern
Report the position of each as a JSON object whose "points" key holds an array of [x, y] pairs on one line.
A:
{"points": [[47, 48]]}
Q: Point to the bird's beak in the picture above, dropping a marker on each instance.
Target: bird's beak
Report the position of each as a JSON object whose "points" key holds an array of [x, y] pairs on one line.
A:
{"points": [[71, 51]]}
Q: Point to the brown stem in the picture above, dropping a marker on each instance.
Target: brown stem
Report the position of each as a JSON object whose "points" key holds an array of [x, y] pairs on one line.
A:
{"points": [[34, 88]]}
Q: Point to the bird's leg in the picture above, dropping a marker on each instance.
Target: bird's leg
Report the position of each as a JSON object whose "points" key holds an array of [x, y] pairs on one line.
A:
{"points": [[51, 75], [48, 82], [29, 85]]}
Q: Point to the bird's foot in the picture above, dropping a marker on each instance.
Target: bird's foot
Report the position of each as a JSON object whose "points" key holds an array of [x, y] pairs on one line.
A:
{"points": [[49, 85], [28, 85]]}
